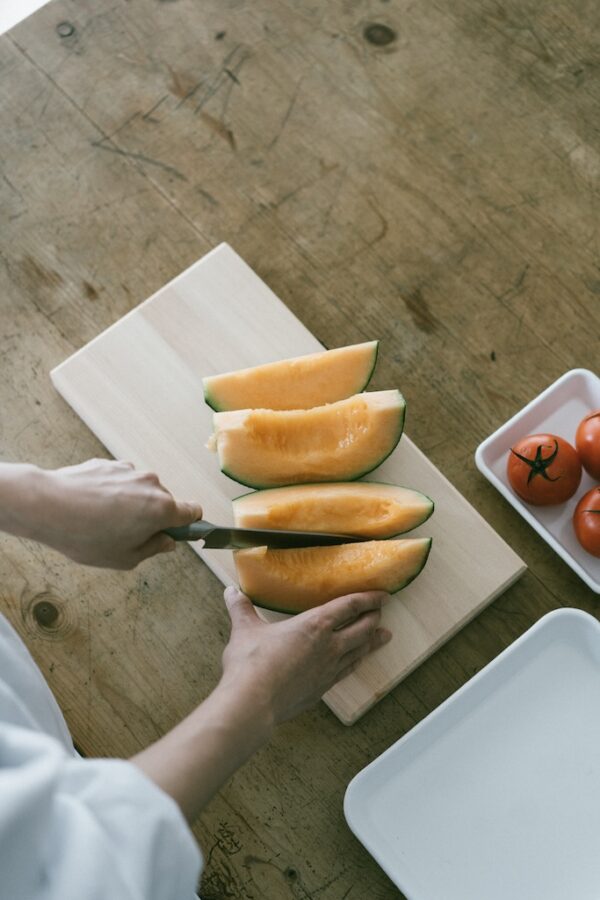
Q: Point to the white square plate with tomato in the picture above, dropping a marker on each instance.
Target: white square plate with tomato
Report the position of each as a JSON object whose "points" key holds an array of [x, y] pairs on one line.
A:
{"points": [[556, 411]]}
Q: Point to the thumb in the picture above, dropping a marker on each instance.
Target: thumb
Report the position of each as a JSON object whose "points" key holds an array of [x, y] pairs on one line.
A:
{"points": [[239, 607], [186, 512]]}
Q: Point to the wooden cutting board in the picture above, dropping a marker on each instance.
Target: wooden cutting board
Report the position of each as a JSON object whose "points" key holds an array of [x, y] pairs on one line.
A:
{"points": [[138, 387]]}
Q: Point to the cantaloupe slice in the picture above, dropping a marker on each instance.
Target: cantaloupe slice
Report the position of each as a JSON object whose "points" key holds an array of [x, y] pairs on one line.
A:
{"points": [[337, 442], [292, 581], [364, 508], [299, 383]]}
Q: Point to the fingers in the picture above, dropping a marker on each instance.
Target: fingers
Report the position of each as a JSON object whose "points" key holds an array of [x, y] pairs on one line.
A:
{"points": [[185, 512], [349, 661], [174, 512], [345, 672], [360, 630], [343, 610], [170, 512], [158, 543], [104, 462], [151, 478], [239, 607]]}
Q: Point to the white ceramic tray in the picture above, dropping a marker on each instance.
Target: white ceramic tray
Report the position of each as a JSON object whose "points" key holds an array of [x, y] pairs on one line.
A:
{"points": [[559, 410], [496, 794]]}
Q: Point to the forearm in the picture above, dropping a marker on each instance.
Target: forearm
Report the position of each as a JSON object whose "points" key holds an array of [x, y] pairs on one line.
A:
{"points": [[196, 758], [21, 493]]}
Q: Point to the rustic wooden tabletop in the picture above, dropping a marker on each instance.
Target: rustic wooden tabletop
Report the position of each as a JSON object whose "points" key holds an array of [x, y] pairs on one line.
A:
{"points": [[424, 173]]}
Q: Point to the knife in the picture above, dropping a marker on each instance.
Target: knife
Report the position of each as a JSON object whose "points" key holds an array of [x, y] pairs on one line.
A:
{"points": [[216, 537]]}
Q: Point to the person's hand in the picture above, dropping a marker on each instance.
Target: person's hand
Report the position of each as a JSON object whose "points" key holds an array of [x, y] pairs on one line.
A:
{"points": [[105, 513], [271, 672], [287, 666]]}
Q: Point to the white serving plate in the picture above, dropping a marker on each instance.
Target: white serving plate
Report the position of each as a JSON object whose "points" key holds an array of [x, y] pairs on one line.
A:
{"points": [[559, 410], [496, 794]]}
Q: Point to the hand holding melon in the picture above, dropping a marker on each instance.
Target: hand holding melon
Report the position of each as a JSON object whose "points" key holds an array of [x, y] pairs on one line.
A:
{"points": [[304, 448], [283, 668]]}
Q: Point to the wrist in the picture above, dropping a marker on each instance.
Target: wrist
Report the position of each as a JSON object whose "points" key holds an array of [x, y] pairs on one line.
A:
{"points": [[191, 762], [245, 709], [21, 499]]}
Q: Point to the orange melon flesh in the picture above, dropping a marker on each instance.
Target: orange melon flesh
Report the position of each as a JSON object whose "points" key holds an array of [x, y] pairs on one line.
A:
{"points": [[337, 442], [299, 383], [365, 508], [295, 580]]}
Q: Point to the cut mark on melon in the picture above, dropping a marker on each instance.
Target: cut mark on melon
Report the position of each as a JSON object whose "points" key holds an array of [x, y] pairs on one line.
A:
{"points": [[367, 509]]}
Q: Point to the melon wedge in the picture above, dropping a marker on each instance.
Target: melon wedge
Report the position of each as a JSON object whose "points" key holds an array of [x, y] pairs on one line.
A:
{"points": [[299, 383], [364, 508], [337, 442], [292, 581]]}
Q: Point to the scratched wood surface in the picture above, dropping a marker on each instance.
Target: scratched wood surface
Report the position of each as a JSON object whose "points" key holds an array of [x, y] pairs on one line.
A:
{"points": [[424, 172]]}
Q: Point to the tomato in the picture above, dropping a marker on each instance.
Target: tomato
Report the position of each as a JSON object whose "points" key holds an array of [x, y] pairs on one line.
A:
{"points": [[543, 469], [586, 521], [587, 441]]}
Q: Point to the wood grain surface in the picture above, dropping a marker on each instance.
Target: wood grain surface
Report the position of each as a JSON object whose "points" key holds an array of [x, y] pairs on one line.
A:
{"points": [[433, 180], [138, 387]]}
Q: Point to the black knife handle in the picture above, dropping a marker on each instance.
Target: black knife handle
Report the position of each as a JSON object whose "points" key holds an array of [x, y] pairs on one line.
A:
{"points": [[194, 532]]}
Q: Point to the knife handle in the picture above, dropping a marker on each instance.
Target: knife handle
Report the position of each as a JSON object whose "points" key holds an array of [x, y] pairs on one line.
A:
{"points": [[194, 532]]}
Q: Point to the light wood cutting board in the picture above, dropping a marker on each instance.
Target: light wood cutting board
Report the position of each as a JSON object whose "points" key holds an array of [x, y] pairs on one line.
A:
{"points": [[138, 387]]}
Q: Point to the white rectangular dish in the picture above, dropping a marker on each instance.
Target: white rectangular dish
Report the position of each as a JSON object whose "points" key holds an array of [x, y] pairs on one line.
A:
{"points": [[496, 794], [557, 410]]}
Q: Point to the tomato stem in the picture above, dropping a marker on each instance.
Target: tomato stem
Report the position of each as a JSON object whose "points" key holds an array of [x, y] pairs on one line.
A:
{"points": [[539, 464]]}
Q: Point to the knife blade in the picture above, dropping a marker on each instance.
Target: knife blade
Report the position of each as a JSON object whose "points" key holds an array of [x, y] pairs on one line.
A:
{"points": [[217, 537]]}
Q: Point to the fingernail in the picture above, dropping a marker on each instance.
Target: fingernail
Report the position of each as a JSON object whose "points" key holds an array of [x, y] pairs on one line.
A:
{"points": [[230, 592]]}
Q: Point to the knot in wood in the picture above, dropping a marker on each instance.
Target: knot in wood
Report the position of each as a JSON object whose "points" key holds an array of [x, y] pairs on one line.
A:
{"points": [[45, 613], [65, 29], [378, 34]]}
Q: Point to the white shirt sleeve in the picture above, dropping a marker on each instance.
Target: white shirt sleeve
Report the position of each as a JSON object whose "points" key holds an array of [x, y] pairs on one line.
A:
{"points": [[94, 828], [25, 698], [73, 828]]}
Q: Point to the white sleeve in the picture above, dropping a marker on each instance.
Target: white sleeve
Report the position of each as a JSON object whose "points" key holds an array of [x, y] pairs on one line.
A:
{"points": [[94, 828]]}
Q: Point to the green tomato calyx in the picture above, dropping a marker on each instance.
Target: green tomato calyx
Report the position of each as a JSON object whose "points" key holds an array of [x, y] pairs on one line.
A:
{"points": [[539, 464]]}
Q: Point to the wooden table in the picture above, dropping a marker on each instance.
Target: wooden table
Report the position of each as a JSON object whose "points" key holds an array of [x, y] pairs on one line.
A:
{"points": [[426, 173]]}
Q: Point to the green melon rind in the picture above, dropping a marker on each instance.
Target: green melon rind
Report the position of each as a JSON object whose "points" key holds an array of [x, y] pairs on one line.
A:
{"points": [[214, 404], [370, 375], [428, 513], [296, 612], [209, 400], [260, 487]]}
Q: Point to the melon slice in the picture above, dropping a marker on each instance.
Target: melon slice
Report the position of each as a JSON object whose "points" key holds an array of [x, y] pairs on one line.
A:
{"points": [[363, 508], [337, 442], [299, 383], [292, 581]]}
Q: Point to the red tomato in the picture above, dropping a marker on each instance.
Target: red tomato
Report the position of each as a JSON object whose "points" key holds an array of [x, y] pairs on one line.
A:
{"points": [[587, 441], [543, 469], [586, 521]]}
